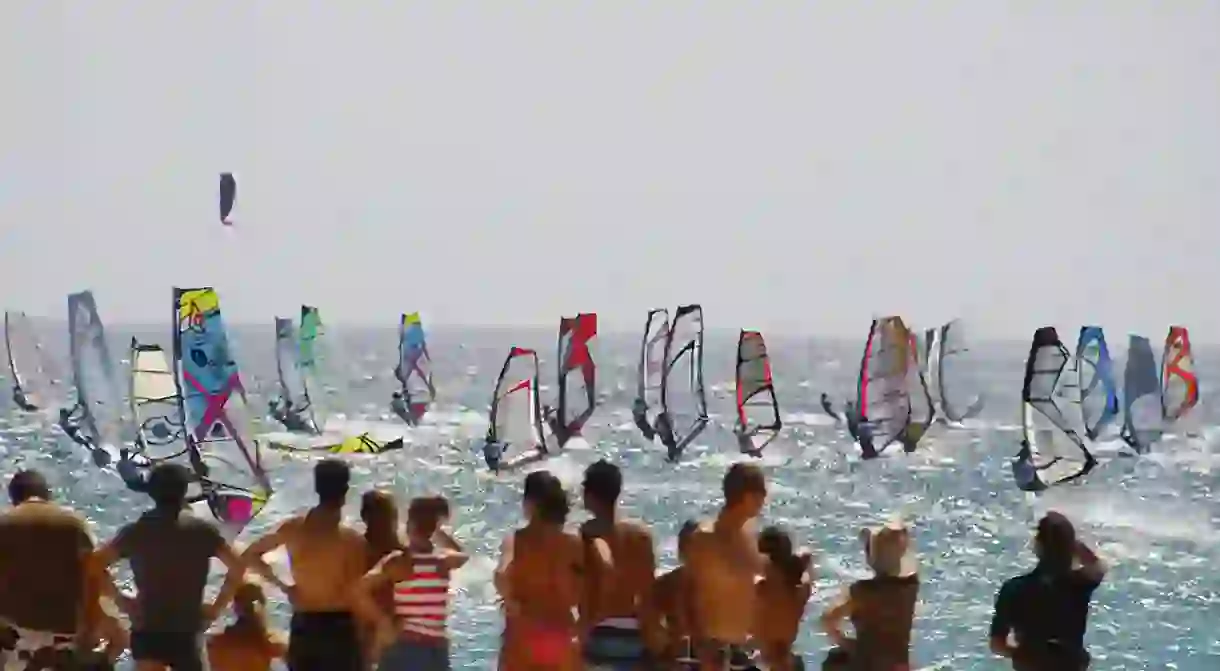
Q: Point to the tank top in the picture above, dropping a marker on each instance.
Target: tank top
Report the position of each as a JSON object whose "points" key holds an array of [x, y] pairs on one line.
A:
{"points": [[422, 601]]}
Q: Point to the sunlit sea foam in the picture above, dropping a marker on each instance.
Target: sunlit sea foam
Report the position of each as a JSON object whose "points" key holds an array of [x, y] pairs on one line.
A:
{"points": [[1155, 518]]}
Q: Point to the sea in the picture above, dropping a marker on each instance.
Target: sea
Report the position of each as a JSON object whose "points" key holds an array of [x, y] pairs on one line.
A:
{"points": [[1154, 518]]}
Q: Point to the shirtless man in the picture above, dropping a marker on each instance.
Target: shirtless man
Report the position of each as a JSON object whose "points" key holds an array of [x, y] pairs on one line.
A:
{"points": [[327, 558], [625, 621], [170, 552], [46, 601], [674, 603], [541, 577], [724, 561]]}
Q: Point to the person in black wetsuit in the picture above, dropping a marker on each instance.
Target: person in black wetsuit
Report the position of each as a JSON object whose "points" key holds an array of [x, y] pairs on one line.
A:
{"points": [[1024, 472], [401, 407], [639, 414], [829, 407], [1047, 609], [22, 402], [71, 427], [665, 432]]}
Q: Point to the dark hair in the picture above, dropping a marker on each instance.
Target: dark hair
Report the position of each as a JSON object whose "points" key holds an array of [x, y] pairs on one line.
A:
{"points": [[424, 514], [1056, 539], [684, 534], [546, 492], [743, 478], [331, 478], [377, 508], [167, 485], [776, 544], [26, 485], [604, 481], [442, 506]]}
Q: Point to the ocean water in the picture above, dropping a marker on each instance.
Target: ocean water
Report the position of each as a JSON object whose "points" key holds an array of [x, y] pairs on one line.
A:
{"points": [[1155, 519]]}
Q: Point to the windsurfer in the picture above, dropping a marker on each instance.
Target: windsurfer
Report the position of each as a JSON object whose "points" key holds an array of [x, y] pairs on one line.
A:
{"points": [[639, 413], [829, 407], [664, 430], [22, 402], [290, 417], [1024, 471], [71, 427], [327, 559], [401, 407]]}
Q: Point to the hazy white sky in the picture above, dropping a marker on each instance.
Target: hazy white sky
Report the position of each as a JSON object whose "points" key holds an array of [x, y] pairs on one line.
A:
{"points": [[792, 165]]}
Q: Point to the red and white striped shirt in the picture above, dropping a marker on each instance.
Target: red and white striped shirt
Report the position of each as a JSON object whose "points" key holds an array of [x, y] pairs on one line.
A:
{"points": [[422, 601]]}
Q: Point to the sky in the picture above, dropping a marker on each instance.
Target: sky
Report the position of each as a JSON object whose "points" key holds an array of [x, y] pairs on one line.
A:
{"points": [[793, 166]]}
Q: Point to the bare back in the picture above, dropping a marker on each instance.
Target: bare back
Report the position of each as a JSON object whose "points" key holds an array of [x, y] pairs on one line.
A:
{"points": [[632, 574], [723, 568], [327, 560], [239, 648], [779, 608], [546, 581]]}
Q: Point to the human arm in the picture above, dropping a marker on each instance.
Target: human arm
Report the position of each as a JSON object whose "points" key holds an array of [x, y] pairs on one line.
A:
{"points": [[832, 620], [234, 577], [1092, 567], [1001, 623], [253, 555], [501, 577], [446, 540], [394, 567], [594, 565], [100, 561]]}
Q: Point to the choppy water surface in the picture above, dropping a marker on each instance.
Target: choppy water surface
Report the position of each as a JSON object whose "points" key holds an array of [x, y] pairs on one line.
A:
{"points": [[1156, 519]]}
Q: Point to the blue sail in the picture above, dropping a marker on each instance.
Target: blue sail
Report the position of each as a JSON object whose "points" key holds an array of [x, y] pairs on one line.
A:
{"points": [[1098, 390]]}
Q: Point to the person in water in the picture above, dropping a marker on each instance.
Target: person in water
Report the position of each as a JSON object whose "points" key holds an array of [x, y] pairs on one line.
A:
{"points": [[881, 608], [170, 552], [625, 629], [401, 407], [724, 562], [665, 431], [292, 418], [829, 407], [783, 592], [412, 636], [327, 558], [48, 600], [542, 578], [639, 414], [1040, 617], [1024, 472], [249, 644], [70, 424], [22, 402]]}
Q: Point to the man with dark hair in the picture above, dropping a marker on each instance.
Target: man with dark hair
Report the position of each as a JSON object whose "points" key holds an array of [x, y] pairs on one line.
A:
{"points": [[626, 625], [1046, 610], [328, 559], [170, 552], [45, 588], [723, 562]]}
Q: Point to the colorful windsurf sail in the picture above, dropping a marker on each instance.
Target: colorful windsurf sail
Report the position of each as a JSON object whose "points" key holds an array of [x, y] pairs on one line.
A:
{"points": [[1056, 451], [1143, 422], [414, 370], [651, 372], [683, 396], [1179, 381], [361, 444], [34, 384], [921, 405], [313, 362], [228, 197], [288, 370], [758, 420], [883, 402], [99, 398], [953, 362], [1098, 390], [214, 400], [515, 419], [577, 373]]}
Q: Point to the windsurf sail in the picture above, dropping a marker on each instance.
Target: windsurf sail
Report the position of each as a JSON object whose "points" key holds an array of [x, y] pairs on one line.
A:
{"points": [[1179, 382], [1098, 390], [882, 388], [1142, 406], [683, 396], [361, 444], [952, 362], [214, 401], [156, 406], [99, 397], [1058, 456], [414, 371], [928, 346], [515, 420], [758, 421], [651, 373], [228, 197], [313, 363], [288, 369], [577, 373], [28, 364], [922, 407]]}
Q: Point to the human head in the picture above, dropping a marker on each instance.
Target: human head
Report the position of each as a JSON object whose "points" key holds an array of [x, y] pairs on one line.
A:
{"points": [[602, 486], [745, 489], [379, 512], [776, 545], [331, 478], [887, 550], [26, 485], [1055, 542], [684, 534], [249, 601], [544, 498], [423, 518], [167, 485], [396, 395], [64, 414]]}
